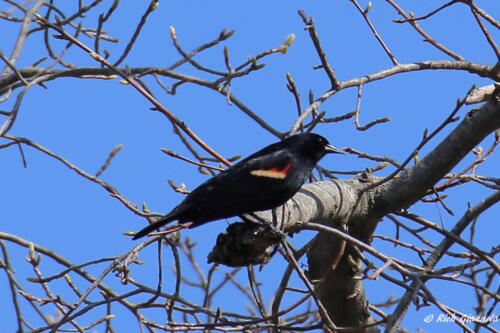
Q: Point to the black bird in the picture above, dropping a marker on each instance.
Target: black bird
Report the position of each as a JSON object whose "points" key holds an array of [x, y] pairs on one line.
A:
{"points": [[263, 180]]}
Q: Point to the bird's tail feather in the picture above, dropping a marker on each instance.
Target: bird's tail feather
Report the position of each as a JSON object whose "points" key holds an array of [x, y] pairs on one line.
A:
{"points": [[153, 226]]}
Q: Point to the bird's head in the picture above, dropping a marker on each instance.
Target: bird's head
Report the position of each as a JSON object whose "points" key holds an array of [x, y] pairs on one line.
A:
{"points": [[313, 145]]}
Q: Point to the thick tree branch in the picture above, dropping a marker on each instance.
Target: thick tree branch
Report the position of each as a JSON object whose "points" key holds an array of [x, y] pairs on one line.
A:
{"points": [[412, 184]]}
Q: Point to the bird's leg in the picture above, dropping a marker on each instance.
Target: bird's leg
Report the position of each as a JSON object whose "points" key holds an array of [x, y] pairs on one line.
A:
{"points": [[255, 219]]}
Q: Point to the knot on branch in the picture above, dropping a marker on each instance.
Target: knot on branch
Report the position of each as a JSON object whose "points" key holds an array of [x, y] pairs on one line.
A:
{"points": [[243, 244]]}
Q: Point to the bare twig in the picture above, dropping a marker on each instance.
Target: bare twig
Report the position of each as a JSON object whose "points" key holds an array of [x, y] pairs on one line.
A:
{"points": [[309, 22], [411, 19], [375, 33]]}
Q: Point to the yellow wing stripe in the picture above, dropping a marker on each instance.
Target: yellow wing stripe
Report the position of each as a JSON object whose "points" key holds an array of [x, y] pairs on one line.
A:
{"points": [[271, 173]]}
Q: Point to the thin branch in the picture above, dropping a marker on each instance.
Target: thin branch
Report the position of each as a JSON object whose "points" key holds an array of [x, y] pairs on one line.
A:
{"points": [[426, 138], [82, 173], [309, 22], [467, 218], [322, 310], [411, 19], [151, 7], [358, 106], [23, 34], [132, 82], [492, 43], [364, 13]]}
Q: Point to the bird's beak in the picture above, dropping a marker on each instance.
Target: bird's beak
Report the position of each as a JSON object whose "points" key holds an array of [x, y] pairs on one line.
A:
{"points": [[333, 150]]}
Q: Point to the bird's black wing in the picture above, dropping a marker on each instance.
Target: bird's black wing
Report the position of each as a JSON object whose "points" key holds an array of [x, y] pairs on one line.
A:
{"points": [[256, 183], [242, 188]]}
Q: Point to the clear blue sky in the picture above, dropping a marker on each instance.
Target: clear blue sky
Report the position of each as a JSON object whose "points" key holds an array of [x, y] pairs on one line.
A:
{"points": [[82, 120]]}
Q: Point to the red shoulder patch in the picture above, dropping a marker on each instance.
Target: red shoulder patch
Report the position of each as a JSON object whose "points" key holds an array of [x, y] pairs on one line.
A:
{"points": [[272, 173]]}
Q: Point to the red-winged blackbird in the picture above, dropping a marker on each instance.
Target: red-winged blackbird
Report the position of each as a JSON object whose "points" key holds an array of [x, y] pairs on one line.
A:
{"points": [[263, 180]]}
